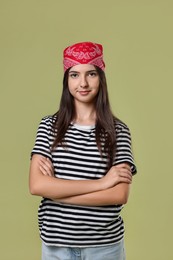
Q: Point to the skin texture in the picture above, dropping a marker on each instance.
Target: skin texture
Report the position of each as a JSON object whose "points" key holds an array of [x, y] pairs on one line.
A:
{"points": [[118, 194], [83, 83], [113, 188]]}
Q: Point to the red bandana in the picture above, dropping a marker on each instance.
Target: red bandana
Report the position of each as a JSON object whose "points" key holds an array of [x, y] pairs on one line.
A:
{"points": [[84, 53]]}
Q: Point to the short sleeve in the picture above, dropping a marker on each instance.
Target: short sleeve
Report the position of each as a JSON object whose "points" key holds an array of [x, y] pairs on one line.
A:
{"points": [[124, 149], [42, 143]]}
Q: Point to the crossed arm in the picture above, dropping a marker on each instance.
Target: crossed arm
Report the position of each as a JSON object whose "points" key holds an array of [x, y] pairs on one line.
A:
{"points": [[111, 189]]}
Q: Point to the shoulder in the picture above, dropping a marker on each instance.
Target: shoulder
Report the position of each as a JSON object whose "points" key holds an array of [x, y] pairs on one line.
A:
{"points": [[121, 127], [46, 124], [48, 120], [122, 132]]}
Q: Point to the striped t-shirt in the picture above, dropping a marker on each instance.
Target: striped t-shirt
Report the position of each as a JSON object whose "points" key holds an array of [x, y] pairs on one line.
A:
{"points": [[73, 225]]}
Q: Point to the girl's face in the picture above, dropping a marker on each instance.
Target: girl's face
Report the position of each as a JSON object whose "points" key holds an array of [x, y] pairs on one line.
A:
{"points": [[83, 83]]}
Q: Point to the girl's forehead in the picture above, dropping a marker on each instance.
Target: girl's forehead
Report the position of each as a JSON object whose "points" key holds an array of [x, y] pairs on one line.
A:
{"points": [[82, 67]]}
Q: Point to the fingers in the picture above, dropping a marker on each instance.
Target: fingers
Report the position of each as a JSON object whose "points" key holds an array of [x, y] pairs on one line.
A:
{"points": [[46, 166], [124, 165], [123, 173]]}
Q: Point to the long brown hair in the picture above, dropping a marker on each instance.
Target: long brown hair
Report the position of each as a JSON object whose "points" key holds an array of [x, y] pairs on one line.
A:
{"points": [[105, 120]]}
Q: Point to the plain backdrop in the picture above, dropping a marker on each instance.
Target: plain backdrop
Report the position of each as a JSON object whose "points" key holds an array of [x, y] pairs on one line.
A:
{"points": [[138, 50]]}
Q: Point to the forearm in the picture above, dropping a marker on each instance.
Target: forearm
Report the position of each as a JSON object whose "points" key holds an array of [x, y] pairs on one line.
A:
{"points": [[42, 181], [117, 195], [51, 187]]}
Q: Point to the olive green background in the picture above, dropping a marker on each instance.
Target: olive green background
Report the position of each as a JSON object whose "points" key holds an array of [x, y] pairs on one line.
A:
{"points": [[138, 48]]}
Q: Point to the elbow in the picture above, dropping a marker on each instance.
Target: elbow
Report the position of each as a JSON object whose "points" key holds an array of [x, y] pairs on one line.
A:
{"points": [[121, 200], [33, 189], [35, 186], [124, 199], [38, 189], [32, 192], [124, 196]]}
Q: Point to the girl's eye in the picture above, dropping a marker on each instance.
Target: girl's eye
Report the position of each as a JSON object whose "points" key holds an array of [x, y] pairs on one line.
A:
{"points": [[73, 75], [92, 74]]}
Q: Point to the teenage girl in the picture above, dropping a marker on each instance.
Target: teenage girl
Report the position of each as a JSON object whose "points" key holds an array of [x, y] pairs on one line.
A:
{"points": [[82, 165]]}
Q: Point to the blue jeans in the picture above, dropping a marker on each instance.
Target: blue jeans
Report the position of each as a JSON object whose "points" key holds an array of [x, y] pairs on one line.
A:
{"points": [[111, 252]]}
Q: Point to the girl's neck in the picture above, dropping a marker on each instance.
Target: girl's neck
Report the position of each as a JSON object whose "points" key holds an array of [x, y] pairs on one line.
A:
{"points": [[85, 115]]}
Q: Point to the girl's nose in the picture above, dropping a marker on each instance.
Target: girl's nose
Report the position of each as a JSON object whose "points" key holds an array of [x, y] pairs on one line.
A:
{"points": [[83, 82]]}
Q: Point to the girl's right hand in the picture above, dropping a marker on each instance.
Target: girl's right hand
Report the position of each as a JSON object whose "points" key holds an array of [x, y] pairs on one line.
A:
{"points": [[120, 173], [46, 166]]}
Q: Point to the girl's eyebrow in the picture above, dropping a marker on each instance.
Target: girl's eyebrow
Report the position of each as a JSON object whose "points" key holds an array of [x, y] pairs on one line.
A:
{"points": [[91, 71], [74, 71]]}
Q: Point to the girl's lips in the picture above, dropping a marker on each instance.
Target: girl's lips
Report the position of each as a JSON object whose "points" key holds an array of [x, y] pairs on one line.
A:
{"points": [[83, 93]]}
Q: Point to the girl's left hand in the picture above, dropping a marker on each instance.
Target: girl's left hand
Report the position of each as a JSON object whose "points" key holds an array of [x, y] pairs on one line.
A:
{"points": [[46, 167]]}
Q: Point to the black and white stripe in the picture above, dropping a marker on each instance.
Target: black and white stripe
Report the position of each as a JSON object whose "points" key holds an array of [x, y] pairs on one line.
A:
{"points": [[72, 225]]}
